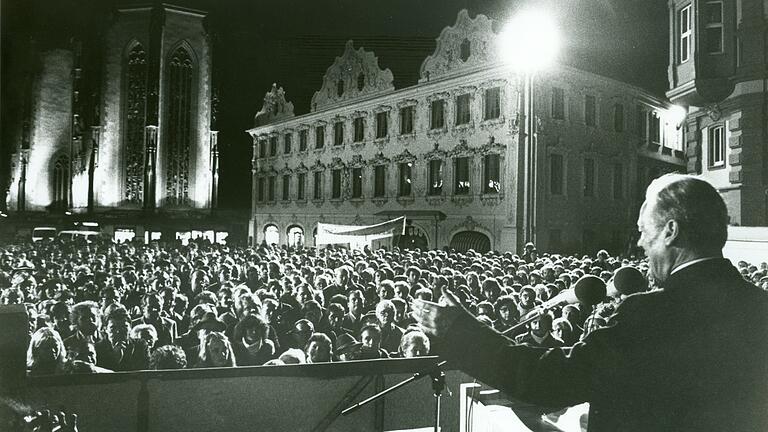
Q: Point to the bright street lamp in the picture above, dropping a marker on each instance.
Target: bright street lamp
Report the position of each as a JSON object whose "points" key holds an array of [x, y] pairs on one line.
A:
{"points": [[528, 44]]}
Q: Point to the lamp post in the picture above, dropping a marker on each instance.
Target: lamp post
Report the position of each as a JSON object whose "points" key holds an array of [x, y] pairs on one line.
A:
{"points": [[528, 43]]}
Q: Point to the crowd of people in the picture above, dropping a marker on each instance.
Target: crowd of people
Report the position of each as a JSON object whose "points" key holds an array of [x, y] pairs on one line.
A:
{"points": [[102, 306]]}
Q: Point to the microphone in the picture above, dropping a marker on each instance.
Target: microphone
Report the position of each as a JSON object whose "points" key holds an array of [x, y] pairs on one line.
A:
{"points": [[588, 290], [625, 281]]}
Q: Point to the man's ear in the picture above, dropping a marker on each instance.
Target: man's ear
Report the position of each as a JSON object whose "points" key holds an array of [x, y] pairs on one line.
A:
{"points": [[671, 232]]}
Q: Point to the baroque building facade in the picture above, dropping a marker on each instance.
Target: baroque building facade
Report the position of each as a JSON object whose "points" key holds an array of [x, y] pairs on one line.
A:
{"points": [[119, 127], [447, 152], [718, 58]]}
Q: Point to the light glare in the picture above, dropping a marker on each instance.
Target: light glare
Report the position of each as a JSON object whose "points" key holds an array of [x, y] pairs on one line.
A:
{"points": [[530, 41]]}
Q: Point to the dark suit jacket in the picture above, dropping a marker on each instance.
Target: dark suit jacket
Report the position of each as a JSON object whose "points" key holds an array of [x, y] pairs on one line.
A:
{"points": [[135, 356], [690, 357]]}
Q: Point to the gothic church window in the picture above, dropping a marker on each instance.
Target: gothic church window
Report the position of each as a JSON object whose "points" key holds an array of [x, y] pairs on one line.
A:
{"points": [[135, 112], [61, 182], [179, 130]]}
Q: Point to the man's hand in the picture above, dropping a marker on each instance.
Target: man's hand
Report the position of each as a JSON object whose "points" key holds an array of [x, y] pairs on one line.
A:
{"points": [[435, 319]]}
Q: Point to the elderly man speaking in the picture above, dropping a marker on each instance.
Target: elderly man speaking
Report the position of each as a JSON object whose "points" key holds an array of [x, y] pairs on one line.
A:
{"points": [[692, 356]]}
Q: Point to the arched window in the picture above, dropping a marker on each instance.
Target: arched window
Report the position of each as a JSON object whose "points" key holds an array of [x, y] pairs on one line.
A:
{"points": [[61, 183], [360, 81], [295, 236], [179, 126], [464, 50], [271, 234], [135, 112], [340, 88], [466, 240]]}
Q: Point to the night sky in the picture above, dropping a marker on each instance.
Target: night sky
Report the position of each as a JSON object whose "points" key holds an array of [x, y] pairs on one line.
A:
{"points": [[292, 42]]}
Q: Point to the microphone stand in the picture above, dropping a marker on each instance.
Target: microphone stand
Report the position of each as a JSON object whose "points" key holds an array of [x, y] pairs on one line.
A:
{"points": [[438, 384], [534, 315]]}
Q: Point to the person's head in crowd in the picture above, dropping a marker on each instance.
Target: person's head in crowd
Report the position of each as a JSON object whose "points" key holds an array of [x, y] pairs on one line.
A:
{"points": [[152, 306], [402, 290], [206, 296], [542, 326], [486, 308], [423, 294], [216, 351], [336, 314], [46, 353], [168, 298], [506, 309], [13, 295], [247, 304], [197, 313], [252, 330], [168, 357], [304, 293], [312, 311], [414, 343], [521, 277], [491, 289], [550, 290], [318, 349], [401, 309], [386, 290], [385, 313], [290, 356], [86, 318], [347, 347], [682, 218], [302, 330], [412, 274], [145, 332], [60, 313], [82, 350], [527, 297], [370, 337], [342, 276], [321, 282], [562, 330], [355, 302], [117, 325]]}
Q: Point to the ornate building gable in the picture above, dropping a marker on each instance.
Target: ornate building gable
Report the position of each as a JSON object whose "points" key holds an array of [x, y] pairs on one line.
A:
{"points": [[379, 159], [404, 157], [462, 150], [337, 163], [357, 161], [286, 170], [275, 107], [435, 153], [356, 73], [317, 166], [301, 168], [492, 147], [468, 44]]}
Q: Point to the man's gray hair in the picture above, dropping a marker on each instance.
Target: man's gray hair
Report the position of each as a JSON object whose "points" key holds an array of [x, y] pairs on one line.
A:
{"points": [[695, 205]]}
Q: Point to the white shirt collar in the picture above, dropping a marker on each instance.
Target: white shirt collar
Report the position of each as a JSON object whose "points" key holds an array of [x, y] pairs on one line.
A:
{"points": [[690, 263]]}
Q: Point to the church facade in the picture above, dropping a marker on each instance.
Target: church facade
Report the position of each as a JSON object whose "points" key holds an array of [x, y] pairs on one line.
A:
{"points": [[119, 127], [448, 153]]}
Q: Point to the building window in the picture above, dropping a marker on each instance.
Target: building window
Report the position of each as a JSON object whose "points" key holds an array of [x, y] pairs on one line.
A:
{"points": [[589, 110], [685, 28], [271, 188], [406, 120], [655, 127], [360, 81], [180, 110], [303, 140], [618, 117], [135, 119], [338, 133], [404, 188], [381, 124], [435, 177], [558, 103], [359, 129], [464, 50], [340, 88], [286, 187], [713, 27], [357, 182], [287, 143], [491, 174], [379, 189], [336, 184], [461, 185], [273, 146], [61, 182], [642, 123], [462, 109], [716, 146], [492, 103], [556, 174], [319, 137], [437, 114], [260, 189], [262, 149], [301, 184], [618, 181], [318, 185], [589, 177]]}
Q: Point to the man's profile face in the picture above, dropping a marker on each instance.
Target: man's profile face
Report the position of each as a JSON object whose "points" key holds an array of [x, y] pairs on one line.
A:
{"points": [[117, 330], [371, 339], [87, 322], [652, 242]]}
